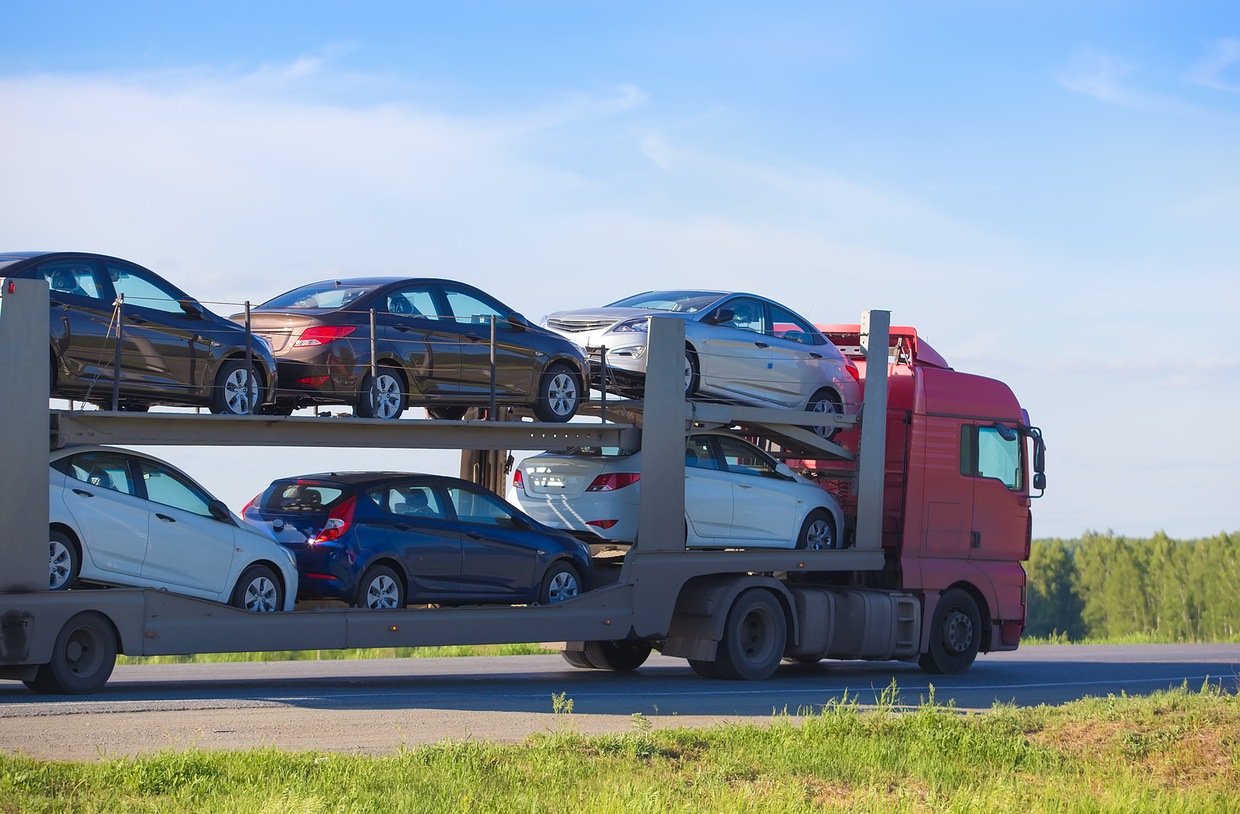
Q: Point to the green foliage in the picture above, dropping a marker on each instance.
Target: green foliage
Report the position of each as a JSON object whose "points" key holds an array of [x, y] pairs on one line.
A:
{"points": [[1108, 587], [1170, 752], [357, 653]]}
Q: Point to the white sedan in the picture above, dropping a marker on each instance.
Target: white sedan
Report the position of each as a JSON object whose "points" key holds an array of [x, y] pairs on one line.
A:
{"points": [[736, 496], [738, 347], [119, 517]]}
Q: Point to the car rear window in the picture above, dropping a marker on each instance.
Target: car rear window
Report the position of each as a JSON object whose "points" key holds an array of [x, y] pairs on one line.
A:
{"points": [[303, 496], [600, 452], [329, 294]]}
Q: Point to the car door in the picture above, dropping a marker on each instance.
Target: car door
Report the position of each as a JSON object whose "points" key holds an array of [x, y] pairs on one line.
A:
{"points": [[164, 348], [798, 366], [83, 330], [110, 517], [421, 533], [500, 549], [764, 510], [516, 363], [187, 547], [412, 325], [734, 357], [708, 490]]}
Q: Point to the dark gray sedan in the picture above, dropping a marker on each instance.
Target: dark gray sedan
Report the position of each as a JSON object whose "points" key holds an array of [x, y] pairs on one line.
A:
{"points": [[172, 350], [432, 346]]}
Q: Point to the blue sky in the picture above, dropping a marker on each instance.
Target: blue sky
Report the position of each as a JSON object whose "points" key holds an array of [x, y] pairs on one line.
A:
{"points": [[1049, 191]]}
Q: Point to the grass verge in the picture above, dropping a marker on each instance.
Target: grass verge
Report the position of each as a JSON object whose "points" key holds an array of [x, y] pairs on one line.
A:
{"points": [[1176, 751]]}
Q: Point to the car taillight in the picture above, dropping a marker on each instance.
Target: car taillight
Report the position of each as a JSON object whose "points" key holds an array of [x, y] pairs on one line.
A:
{"points": [[612, 481], [247, 506], [603, 524], [851, 367], [338, 522], [323, 335], [518, 482], [312, 381]]}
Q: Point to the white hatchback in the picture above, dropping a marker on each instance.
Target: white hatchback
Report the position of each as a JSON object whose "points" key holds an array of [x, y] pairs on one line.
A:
{"points": [[120, 517], [736, 495], [738, 347]]}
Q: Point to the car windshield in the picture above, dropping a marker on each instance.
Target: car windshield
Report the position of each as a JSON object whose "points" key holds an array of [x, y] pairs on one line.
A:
{"points": [[327, 294], [685, 302]]}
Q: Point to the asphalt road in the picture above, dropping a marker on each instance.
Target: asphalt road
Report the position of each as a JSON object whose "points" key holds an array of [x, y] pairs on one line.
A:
{"points": [[380, 705]]}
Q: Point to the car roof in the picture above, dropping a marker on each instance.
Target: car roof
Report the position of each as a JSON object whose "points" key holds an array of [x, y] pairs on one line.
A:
{"points": [[46, 255], [372, 478]]}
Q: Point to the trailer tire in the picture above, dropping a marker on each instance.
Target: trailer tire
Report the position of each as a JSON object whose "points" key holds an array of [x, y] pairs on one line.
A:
{"points": [[754, 637], [577, 658], [955, 635], [620, 657], [82, 657], [380, 588]]}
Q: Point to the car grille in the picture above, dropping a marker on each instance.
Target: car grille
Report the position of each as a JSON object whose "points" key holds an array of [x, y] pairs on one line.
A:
{"points": [[578, 325]]}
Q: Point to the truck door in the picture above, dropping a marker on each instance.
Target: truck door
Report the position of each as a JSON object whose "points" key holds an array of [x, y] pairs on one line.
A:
{"points": [[1000, 520]]}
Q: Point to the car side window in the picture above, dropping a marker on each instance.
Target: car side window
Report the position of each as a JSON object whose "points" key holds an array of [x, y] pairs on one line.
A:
{"points": [[789, 326], [747, 315], [698, 453], [409, 501], [142, 289], [170, 489], [70, 277], [415, 302], [105, 470], [466, 307], [486, 510], [744, 459]]}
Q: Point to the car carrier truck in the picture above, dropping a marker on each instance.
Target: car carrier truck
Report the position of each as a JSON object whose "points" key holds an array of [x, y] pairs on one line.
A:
{"points": [[939, 522]]}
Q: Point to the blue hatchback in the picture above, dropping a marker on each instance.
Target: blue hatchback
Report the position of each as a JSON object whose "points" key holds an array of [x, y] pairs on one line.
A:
{"points": [[389, 539]]}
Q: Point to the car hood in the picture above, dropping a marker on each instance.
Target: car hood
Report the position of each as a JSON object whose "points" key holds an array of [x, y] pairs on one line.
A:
{"points": [[595, 318]]}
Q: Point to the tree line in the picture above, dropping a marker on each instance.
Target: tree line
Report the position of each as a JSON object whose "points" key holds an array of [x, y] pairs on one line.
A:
{"points": [[1104, 586]]}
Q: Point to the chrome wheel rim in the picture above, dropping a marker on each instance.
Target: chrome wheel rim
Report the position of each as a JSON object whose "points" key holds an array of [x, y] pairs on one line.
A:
{"points": [[818, 536], [260, 596], [382, 593], [563, 586], [957, 631], [385, 399], [60, 564], [562, 394], [827, 407], [240, 392]]}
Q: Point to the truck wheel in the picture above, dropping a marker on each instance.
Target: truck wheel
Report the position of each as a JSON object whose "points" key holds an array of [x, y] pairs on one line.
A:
{"points": [[706, 669], [825, 401], [622, 657], [380, 588], [818, 531], [577, 658], [753, 637], [64, 560], [559, 394], [955, 635], [258, 591], [82, 657]]}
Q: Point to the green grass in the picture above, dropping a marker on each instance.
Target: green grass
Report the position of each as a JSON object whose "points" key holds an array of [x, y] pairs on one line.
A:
{"points": [[338, 655], [1175, 751]]}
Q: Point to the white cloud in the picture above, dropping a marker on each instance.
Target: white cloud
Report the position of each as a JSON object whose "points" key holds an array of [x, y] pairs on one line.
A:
{"points": [[1100, 76], [1211, 71]]}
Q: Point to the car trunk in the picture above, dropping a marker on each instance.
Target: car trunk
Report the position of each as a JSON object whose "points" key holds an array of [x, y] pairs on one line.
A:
{"points": [[567, 476]]}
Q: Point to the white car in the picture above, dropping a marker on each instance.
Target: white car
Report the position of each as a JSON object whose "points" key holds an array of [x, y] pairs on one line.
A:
{"points": [[738, 347], [119, 517], [736, 496]]}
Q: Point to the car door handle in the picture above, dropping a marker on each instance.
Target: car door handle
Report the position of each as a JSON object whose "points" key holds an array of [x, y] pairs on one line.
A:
{"points": [[165, 518], [744, 486], [137, 320], [473, 535], [762, 344], [403, 328], [815, 354], [83, 493], [473, 337]]}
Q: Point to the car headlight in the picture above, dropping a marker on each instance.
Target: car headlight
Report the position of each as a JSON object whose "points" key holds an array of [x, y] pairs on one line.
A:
{"points": [[639, 324]]}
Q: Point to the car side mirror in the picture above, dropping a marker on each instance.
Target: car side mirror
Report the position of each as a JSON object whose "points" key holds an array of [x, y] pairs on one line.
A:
{"points": [[190, 307], [785, 470], [220, 512], [720, 316], [518, 322]]}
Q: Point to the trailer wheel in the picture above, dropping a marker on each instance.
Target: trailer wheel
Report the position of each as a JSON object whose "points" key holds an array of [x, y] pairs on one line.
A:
{"points": [[754, 637], [577, 658], [955, 635], [621, 657], [82, 657]]}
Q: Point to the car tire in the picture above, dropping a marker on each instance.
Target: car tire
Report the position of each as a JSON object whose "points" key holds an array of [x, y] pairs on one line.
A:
{"points": [[693, 372], [446, 413], [258, 590], [818, 532], [380, 588], [235, 392], [559, 394], [825, 401], [83, 656], [560, 582], [390, 392], [64, 560], [955, 634]]}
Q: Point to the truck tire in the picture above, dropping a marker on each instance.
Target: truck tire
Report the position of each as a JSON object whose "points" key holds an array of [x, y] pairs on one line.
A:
{"points": [[955, 635], [82, 657], [577, 658], [754, 637], [620, 657]]}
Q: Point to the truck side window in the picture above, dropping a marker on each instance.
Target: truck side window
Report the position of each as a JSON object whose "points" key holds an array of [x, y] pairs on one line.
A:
{"points": [[984, 453]]}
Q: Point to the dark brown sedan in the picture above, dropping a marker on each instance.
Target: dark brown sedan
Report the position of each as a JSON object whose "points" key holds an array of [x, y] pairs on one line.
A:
{"points": [[172, 350], [432, 344]]}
